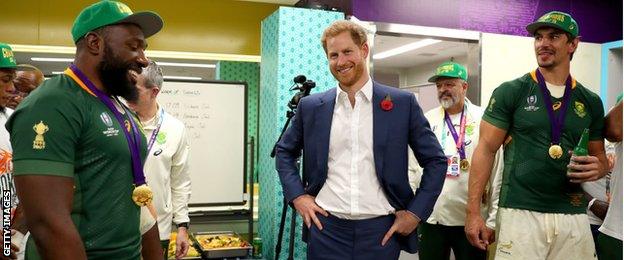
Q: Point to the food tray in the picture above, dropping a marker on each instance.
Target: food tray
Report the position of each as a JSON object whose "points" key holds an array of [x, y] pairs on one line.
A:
{"points": [[222, 252], [193, 247]]}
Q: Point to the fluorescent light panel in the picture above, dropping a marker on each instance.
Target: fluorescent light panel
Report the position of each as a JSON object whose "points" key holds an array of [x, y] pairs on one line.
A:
{"points": [[405, 48], [170, 64], [148, 53], [177, 64], [52, 59], [165, 77], [182, 77]]}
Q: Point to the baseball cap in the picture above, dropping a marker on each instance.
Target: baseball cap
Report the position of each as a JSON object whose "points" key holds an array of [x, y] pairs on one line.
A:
{"points": [[556, 19], [450, 69], [7, 59], [112, 12]]}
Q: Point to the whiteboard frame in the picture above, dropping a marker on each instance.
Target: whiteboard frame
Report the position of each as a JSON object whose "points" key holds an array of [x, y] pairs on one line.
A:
{"points": [[245, 141]]}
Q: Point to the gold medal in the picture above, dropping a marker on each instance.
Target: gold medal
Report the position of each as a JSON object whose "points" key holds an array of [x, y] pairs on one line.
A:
{"points": [[555, 151], [142, 195], [464, 164]]}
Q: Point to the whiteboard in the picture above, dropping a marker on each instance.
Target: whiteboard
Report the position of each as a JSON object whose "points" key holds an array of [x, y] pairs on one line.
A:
{"points": [[215, 116]]}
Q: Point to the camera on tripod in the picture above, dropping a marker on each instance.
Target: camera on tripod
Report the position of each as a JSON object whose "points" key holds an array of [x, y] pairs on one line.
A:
{"points": [[304, 86]]}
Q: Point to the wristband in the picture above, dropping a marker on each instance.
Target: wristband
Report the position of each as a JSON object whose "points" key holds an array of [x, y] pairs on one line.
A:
{"points": [[183, 224]]}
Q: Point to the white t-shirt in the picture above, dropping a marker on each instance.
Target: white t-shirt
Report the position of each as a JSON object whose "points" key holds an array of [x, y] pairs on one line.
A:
{"points": [[612, 225]]}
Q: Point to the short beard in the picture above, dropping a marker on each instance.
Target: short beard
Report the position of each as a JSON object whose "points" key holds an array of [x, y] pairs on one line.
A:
{"points": [[447, 103], [115, 77]]}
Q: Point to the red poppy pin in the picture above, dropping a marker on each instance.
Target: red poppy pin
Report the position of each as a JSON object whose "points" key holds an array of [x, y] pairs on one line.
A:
{"points": [[386, 103]]}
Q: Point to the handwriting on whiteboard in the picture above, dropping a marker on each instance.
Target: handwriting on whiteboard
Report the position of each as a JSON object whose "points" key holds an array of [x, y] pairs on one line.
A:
{"points": [[193, 112]]}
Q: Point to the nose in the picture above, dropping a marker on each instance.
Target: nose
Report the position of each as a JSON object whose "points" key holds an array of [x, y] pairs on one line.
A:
{"points": [[142, 60], [10, 88]]}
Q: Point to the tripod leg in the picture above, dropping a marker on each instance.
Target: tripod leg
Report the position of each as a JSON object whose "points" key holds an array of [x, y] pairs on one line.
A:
{"points": [[278, 245], [291, 242]]}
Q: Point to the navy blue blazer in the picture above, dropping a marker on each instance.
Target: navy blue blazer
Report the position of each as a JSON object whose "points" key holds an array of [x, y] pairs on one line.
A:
{"points": [[393, 131]]}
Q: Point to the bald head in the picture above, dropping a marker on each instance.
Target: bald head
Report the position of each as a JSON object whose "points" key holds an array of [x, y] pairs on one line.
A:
{"points": [[27, 81]]}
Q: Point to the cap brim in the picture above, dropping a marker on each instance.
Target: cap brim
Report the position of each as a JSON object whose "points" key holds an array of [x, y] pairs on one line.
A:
{"points": [[436, 77], [433, 79], [531, 28], [150, 22]]}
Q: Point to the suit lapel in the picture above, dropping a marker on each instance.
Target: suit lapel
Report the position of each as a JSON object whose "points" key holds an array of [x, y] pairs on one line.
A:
{"points": [[322, 125], [381, 120]]}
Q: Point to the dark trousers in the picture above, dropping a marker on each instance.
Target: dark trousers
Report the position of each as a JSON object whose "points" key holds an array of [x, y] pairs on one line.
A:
{"points": [[343, 239], [609, 248], [165, 247], [436, 242], [595, 232]]}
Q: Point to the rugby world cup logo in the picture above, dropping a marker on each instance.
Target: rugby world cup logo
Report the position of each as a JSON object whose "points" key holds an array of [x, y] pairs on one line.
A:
{"points": [[531, 102], [106, 119]]}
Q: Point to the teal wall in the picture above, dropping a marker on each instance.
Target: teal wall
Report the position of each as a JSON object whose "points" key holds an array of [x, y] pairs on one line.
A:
{"points": [[248, 72], [290, 46]]}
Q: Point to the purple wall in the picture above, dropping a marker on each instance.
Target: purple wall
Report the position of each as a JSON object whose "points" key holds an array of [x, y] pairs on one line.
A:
{"points": [[599, 21]]}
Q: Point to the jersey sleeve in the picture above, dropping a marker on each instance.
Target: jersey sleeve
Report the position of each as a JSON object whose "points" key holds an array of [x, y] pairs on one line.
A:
{"points": [[500, 109], [597, 125], [44, 133]]}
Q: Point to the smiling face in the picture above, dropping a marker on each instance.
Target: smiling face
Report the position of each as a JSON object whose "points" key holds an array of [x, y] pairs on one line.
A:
{"points": [[347, 60], [124, 47], [552, 47]]}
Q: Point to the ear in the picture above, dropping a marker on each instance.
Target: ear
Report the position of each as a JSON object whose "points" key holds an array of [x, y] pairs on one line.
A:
{"points": [[365, 50], [94, 43], [154, 92], [465, 85], [573, 45]]}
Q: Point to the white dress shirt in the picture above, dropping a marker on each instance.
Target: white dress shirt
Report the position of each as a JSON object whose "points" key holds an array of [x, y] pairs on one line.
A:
{"points": [[352, 190]]}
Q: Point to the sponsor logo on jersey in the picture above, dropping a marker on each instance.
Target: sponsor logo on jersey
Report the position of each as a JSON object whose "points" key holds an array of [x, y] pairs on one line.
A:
{"points": [[531, 104]]}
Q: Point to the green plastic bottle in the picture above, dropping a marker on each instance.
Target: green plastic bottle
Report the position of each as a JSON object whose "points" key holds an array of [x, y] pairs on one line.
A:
{"points": [[581, 149]]}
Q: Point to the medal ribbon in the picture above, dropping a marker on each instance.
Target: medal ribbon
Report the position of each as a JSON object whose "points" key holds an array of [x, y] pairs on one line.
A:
{"points": [[155, 132], [556, 123], [459, 139], [134, 139]]}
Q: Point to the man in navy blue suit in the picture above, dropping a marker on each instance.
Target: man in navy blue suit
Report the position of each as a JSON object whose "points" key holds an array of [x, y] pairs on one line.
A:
{"points": [[356, 198]]}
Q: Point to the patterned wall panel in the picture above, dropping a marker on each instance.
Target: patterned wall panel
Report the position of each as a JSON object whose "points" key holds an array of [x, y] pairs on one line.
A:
{"points": [[290, 47], [250, 73]]}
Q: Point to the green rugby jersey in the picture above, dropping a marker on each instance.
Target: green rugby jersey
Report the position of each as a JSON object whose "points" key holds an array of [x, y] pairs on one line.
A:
{"points": [[62, 130], [531, 179]]}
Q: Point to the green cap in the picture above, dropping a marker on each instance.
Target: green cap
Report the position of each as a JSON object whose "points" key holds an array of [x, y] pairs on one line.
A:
{"points": [[450, 69], [112, 12], [555, 19], [7, 59]]}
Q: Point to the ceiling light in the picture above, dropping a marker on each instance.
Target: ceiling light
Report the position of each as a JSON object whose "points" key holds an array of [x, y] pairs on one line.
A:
{"points": [[182, 77], [52, 59], [405, 48], [57, 72], [177, 64], [148, 53]]}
